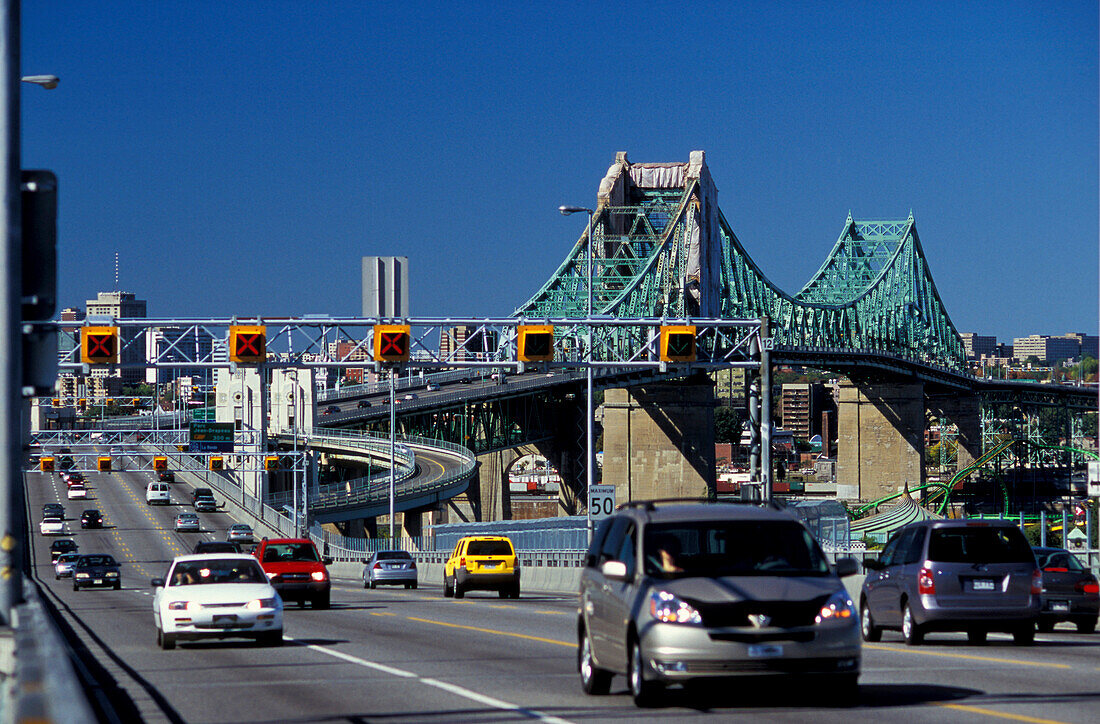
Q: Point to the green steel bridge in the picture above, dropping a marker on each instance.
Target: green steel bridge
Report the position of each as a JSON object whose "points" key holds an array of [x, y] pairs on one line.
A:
{"points": [[660, 246]]}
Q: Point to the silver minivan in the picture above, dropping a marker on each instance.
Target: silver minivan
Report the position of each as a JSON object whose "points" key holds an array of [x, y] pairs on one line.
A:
{"points": [[674, 592], [975, 576]]}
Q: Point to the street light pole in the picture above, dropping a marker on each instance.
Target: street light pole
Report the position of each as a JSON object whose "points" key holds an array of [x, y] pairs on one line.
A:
{"points": [[590, 456]]}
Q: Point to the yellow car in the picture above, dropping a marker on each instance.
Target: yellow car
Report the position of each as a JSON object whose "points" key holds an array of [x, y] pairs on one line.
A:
{"points": [[482, 563]]}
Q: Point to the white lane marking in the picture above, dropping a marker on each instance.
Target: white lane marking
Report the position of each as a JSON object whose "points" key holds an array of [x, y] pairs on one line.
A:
{"points": [[452, 688]]}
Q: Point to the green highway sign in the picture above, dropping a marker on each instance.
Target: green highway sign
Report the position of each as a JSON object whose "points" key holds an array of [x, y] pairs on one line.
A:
{"points": [[207, 436]]}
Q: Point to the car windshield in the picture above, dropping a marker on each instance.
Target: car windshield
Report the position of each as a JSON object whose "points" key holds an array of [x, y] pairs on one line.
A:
{"points": [[393, 556], [732, 548], [290, 552], [979, 544], [97, 561], [489, 548], [67, 557], [241, 528], [226, 570], [1060, 559]]}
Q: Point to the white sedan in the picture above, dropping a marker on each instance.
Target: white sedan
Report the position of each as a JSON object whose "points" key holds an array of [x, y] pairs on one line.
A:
{"points": [[77, 492], [51, 525], [217, 595]]}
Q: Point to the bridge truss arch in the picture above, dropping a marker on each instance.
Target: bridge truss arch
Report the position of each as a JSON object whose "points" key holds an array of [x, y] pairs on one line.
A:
{"points": [[661, 247]]}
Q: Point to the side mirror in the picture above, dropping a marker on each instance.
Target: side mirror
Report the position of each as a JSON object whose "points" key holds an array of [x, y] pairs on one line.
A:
{"points": [[847, 567], [327, 560], [363, 560], [872, 564], [157, 583], [615, 570]]}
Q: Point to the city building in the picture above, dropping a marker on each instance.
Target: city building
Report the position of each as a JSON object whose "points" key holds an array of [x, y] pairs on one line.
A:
{"points": [[807, 410], [1050, 349], [122, 305], [977, 346]]}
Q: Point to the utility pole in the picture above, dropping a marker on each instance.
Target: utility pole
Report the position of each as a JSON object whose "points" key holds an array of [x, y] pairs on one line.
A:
{"points": [[12, 533]]}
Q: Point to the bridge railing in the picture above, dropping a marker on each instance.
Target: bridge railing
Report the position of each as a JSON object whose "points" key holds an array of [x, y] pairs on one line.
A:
{"points": [[41, 684]]}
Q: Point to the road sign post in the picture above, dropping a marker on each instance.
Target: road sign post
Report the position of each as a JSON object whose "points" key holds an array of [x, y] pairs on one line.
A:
{"points": [[601, 501]]}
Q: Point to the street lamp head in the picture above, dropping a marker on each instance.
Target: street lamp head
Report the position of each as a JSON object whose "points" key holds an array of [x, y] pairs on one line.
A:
{"points": [[49, 82], [567, 210]]}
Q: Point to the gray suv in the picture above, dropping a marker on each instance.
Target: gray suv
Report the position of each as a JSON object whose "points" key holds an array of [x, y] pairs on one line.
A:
{"points": [[676, 591], [975, 576]]}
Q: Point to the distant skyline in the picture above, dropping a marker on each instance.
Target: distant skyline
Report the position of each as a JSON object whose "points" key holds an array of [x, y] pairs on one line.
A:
{"points": [[242, 158]]}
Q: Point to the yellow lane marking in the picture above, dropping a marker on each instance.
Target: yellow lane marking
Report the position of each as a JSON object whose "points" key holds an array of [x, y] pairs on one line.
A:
{"points": [[570, 644], [382, 613], [968, 657], [998, 714]]}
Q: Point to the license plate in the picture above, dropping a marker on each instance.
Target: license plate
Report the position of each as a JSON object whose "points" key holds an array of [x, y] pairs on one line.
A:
{"points": [[225, 618], [97, 581], [1059, 605], [765, 651], [489, 565], [983, 585]]}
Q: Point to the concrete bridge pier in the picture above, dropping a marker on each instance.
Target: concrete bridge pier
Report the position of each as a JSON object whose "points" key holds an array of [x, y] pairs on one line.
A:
{"points": [[964, 411], [659, 440], [881, 440]]}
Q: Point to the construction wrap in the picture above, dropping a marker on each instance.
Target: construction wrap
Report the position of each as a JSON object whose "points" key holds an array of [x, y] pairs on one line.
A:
{"points": [[702, 272], [658, 176]]}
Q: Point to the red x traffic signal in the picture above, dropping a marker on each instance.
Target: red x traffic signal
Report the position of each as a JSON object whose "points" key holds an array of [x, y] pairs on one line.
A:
{"points": [[391, 342], [99, 345], [247, 343]]}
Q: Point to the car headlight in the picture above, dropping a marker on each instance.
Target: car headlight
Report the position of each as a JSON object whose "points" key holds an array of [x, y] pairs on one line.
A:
{"points": [[838, 608], [258, 603], [112, 574], [177, 606], [669, 608], [81, 575], [317, 576]]}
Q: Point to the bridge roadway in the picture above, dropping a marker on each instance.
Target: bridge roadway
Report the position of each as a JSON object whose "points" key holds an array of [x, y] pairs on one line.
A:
{"points": [[403, 656]]}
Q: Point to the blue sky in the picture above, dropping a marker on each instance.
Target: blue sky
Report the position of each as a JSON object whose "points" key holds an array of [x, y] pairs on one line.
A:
{"points": [[201, 140]]}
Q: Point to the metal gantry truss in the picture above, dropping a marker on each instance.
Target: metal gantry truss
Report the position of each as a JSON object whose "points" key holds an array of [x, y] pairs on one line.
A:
{"points": [[348, 342]]}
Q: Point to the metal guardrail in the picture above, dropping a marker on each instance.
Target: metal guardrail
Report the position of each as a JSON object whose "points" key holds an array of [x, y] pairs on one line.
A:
{"points": [[43, 686], [405, 383]]}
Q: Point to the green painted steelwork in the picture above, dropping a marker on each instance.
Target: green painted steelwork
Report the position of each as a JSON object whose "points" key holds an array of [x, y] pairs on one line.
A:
{"points": [[874, 294]]}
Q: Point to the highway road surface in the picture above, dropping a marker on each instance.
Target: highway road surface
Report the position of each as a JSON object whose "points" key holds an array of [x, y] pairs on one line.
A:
{"points": [[395, 655]]}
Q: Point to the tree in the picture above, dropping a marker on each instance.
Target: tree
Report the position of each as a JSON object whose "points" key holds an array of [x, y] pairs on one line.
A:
{"points": [[727, 425]]}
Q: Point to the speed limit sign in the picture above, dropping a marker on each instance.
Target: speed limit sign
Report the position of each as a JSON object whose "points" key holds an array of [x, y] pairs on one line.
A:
{"points": [[601, 501]]}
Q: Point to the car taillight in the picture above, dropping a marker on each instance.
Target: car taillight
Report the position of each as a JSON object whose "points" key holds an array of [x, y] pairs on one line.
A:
{"points": [[1036, 582], [377, 566], [1090, 587], [925, 582], [462, 562], [412, 564], [1056, 570]]}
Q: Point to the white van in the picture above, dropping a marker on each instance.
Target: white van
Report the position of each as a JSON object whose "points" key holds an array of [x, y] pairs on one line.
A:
{"points": [[157, 493]]}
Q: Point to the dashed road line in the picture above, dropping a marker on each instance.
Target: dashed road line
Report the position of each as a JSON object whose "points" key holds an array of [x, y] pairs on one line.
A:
{"points": [[445, 686]]}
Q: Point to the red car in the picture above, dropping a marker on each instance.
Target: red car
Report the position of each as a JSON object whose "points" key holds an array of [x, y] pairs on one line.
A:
{"points": [[296, 570]]}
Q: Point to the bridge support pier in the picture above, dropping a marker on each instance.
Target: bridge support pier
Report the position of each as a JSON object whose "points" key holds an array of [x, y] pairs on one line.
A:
{"points": [[881, 439], [964, 411], [659, 440]]}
